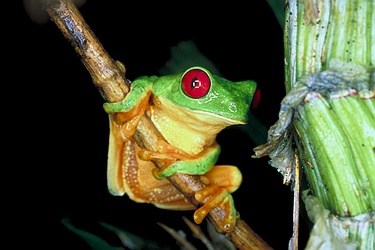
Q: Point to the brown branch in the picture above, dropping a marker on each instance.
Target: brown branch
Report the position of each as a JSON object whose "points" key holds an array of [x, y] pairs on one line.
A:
{"points": [[109, 77]]}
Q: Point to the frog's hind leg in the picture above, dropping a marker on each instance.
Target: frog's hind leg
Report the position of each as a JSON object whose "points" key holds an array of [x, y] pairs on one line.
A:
{"points": [[141, 186], [117, 141], [127, 174]]}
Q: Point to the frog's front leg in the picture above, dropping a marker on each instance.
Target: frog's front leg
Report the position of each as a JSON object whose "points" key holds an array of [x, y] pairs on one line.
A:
{"points": [[130, 110], [220, 180], [178, 161]]}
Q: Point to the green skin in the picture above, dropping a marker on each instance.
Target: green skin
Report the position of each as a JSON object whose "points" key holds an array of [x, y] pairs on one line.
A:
{"points": [[226, 100]]}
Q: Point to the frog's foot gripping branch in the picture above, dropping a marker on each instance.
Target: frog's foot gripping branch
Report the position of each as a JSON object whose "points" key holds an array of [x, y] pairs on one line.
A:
{"points": [[221, 181], [220, 198]]}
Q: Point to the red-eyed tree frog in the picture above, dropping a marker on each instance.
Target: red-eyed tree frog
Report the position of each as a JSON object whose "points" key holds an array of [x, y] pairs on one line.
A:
{"points": [[189, 110]]}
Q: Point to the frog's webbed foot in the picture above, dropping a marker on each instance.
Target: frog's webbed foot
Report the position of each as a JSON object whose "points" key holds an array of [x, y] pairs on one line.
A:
{"points": [[220, 198], [220, 182], [129, 127]]}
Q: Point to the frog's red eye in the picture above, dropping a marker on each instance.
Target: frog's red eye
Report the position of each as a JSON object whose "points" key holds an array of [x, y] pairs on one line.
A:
{"points": [[196, 83]]}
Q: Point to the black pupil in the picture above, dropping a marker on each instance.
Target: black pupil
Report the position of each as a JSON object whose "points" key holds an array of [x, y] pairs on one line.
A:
{"points": [[195, 83]]}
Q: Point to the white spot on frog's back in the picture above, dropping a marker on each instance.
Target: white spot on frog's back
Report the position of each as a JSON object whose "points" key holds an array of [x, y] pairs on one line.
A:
{"points": [[210, 97], [233, 107]]}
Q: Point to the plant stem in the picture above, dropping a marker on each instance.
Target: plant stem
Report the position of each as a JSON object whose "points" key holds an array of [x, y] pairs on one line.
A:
{"points": [[335, 123], [329, 110]]}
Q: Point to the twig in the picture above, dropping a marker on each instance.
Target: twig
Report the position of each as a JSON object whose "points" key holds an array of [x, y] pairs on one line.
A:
{"points": [[185, 244], [110, 80], [293, 243], [197, 232]]}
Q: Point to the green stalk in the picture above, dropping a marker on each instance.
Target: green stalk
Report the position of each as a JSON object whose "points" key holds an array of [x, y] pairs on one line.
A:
{"points": [[340, 153], [329, 113], [336, 127]]}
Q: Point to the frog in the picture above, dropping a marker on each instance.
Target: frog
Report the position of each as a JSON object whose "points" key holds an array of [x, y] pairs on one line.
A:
{"points": [[189, 109]]}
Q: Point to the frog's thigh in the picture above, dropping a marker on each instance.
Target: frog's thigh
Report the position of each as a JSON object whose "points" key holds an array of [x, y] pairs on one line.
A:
{"points": [[226, 176], [141, 185]]}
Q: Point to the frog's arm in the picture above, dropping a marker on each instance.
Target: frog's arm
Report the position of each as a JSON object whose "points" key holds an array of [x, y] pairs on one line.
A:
{"points": [[183, 163], [131, 109], [140, 90]]}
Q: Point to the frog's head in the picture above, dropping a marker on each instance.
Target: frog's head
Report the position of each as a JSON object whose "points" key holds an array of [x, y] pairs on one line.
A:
{"points": [[200, 91]]}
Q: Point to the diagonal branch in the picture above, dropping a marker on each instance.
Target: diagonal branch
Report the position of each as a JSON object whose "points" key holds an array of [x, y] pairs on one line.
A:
{"points": [[109, 77]]}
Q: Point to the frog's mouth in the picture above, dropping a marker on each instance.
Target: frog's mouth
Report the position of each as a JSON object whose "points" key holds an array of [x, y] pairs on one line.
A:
{"points": [[212, 118]]}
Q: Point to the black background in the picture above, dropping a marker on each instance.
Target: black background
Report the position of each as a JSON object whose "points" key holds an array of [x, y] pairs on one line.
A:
{"points": [[58, 130]]}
